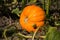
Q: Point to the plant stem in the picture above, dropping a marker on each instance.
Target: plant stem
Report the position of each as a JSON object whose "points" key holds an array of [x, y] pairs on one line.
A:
{"points": [[47, 4], [14, 1], [35, 33], [19, 34], [4, 34], [24, 35], [43, 4]]}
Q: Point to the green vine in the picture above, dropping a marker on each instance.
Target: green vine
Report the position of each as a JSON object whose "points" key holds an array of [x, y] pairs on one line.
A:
{"points": [[20, 34], [4, 34]]}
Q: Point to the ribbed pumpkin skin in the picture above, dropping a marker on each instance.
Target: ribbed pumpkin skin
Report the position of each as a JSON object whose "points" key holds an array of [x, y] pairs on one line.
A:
{"points": [[31, 15]]}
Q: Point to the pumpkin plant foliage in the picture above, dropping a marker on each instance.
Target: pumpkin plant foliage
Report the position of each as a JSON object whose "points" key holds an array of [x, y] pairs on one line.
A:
{"points": [[16, 11], [53, 34]]}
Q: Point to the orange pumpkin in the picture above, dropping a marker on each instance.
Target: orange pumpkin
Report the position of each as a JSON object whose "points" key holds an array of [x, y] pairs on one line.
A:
{"points": [[32, 15]]}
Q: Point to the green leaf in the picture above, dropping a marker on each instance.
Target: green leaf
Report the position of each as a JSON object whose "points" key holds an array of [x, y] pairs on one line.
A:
{"points": [[32, 1], [16, 11], [53, 34]]}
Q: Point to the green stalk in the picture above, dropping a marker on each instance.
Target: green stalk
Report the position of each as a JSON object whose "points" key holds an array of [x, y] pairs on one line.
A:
{"points": [[43, 4], [35, 33], [23, 4], [14, 1], [4, 34], [21, 35], [47, 4]]}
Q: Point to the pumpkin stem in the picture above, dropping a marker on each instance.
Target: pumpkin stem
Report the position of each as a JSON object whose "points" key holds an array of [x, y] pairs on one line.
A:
{"points": [[26, 19]]}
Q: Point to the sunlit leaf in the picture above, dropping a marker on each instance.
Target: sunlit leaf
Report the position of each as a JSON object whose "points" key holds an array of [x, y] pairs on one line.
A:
{"points": [[53, 34]]}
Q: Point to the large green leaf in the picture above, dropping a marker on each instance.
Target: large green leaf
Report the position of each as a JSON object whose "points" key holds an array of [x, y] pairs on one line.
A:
{"points": [[53, 34]]}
